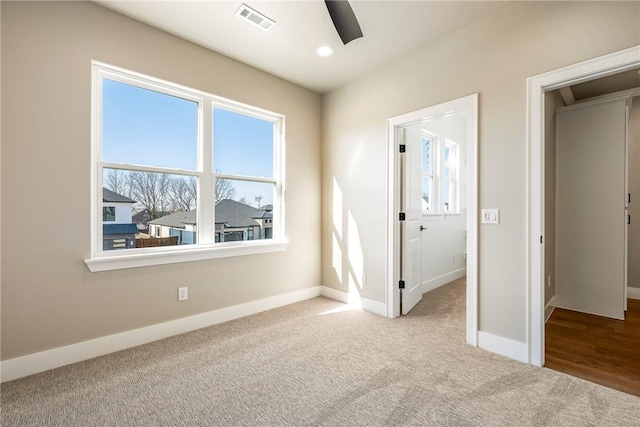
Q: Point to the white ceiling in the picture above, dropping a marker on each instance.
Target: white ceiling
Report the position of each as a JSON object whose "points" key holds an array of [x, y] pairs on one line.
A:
{"points": [[391, 30]]}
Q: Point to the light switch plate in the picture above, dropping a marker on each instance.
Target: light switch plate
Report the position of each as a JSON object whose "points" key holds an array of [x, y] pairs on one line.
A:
{"points": [[491, 216]]}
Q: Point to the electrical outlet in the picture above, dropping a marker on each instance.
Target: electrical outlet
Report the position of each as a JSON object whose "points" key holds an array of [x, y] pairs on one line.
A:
{"points": [[454, 259], [549, 281], [183, 294]]}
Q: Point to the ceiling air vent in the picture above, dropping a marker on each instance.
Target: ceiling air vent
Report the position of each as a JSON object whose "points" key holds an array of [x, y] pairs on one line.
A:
{"points": [[255, 17]]}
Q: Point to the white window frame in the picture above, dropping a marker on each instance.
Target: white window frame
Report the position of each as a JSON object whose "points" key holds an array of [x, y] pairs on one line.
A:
{"points": [[439, 180], [206, 248]]}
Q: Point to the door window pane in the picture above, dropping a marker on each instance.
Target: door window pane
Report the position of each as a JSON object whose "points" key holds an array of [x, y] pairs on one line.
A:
{"points": [[427, 156], [427, 193]]}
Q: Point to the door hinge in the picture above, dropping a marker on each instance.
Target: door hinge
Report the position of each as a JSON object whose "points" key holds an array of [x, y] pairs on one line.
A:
{"points": [[628, 219], [540, 239], [403, 148], [628, 197], [401, 284], [401, 216]]}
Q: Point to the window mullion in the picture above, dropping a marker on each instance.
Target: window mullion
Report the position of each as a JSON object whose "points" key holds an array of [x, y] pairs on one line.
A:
{"points": [[206, 208]]}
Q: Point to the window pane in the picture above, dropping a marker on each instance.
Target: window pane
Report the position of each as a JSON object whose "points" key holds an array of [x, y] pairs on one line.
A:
{"points": [[448, 196], [427, 156], [447, 162], [151, 209], [242, 145], [427, 193], [144, 127], [243, 211], [108, 213]]}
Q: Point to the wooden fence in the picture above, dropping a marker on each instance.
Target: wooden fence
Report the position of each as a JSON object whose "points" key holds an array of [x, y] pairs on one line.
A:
{"points": [[156, 241]]}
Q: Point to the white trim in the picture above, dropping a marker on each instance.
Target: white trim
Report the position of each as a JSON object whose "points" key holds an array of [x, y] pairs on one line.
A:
{"points": [[633, 292], [434, 283], [548, 309], [356, 301], [536, 86], [194, 253], [61, 356], [515, 350], [470, 105]]}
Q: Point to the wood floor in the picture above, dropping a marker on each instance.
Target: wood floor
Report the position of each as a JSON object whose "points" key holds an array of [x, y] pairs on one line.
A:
{"points": [[597, 349]]}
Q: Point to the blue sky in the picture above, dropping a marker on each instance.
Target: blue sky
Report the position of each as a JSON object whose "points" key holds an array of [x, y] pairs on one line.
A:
{"points": [[150, 128]]}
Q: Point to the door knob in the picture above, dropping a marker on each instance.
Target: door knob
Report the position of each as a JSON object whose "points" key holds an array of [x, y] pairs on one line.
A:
{"points": [[422, 228]]}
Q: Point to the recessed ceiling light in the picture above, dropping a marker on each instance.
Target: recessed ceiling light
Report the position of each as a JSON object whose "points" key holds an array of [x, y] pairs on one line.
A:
{"points": [[324, 51]]}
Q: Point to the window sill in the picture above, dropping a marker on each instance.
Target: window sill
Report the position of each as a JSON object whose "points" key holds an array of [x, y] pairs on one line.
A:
{"points": [[133, 260]]}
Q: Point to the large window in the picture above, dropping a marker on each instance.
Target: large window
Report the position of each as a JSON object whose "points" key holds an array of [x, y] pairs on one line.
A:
{"points": [[185, 169], [440, 175]]}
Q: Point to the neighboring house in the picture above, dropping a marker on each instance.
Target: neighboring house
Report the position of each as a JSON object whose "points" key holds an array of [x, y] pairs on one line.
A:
{"points": [[265, 219], [234, 221], [141, 219], [180, 224], [118, 231], [237, 221]]}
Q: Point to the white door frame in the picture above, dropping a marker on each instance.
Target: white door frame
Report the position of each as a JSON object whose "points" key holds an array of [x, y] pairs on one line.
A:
{"points": [[536, 87], [469, 104]]}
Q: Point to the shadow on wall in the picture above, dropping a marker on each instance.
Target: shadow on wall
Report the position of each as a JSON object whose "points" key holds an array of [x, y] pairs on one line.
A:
{"points": [[348, 259]]}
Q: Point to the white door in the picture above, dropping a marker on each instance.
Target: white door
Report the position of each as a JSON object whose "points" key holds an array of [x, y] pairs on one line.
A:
{"points": [[591, 217], [411, 226]]}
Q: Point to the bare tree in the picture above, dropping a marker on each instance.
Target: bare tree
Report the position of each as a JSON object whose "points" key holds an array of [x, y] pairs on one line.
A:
{"points": [[118, 181], [258, 200], [243, 200], [224, 189], [183, 193], [151, 189]]}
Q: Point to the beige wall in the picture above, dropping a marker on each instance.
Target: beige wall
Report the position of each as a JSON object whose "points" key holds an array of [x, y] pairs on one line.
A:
{"points": [[49, 297], [552, 100], [492, 57]]}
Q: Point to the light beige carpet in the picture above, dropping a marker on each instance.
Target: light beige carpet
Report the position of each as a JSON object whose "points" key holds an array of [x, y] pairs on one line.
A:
{"points": [[312, 363]]}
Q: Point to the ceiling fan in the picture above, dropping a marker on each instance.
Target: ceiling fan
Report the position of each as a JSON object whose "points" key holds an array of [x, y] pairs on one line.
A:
{"points": [[344, 20]]}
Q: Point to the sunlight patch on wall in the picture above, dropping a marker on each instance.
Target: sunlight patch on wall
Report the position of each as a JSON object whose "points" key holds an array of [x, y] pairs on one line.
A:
{"points": [[337, 258], [356, 257], [337, 208]]}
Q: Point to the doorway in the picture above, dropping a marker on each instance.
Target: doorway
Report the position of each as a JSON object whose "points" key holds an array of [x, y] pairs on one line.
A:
{"points": [[536, 88], [405, 219]]}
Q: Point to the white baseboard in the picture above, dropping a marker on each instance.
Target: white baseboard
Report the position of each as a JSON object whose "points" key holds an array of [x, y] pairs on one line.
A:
{"points": [[503, 346], [373, 306], [432, 284], [548, 310], [61, 356], [633, 293]]}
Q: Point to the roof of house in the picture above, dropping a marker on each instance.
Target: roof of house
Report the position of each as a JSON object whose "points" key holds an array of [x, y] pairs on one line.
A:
{"points": [[235, 214], [178, 219], [113, 229], [228, 212], [142, 217], [267, 213], [110, 196]]}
